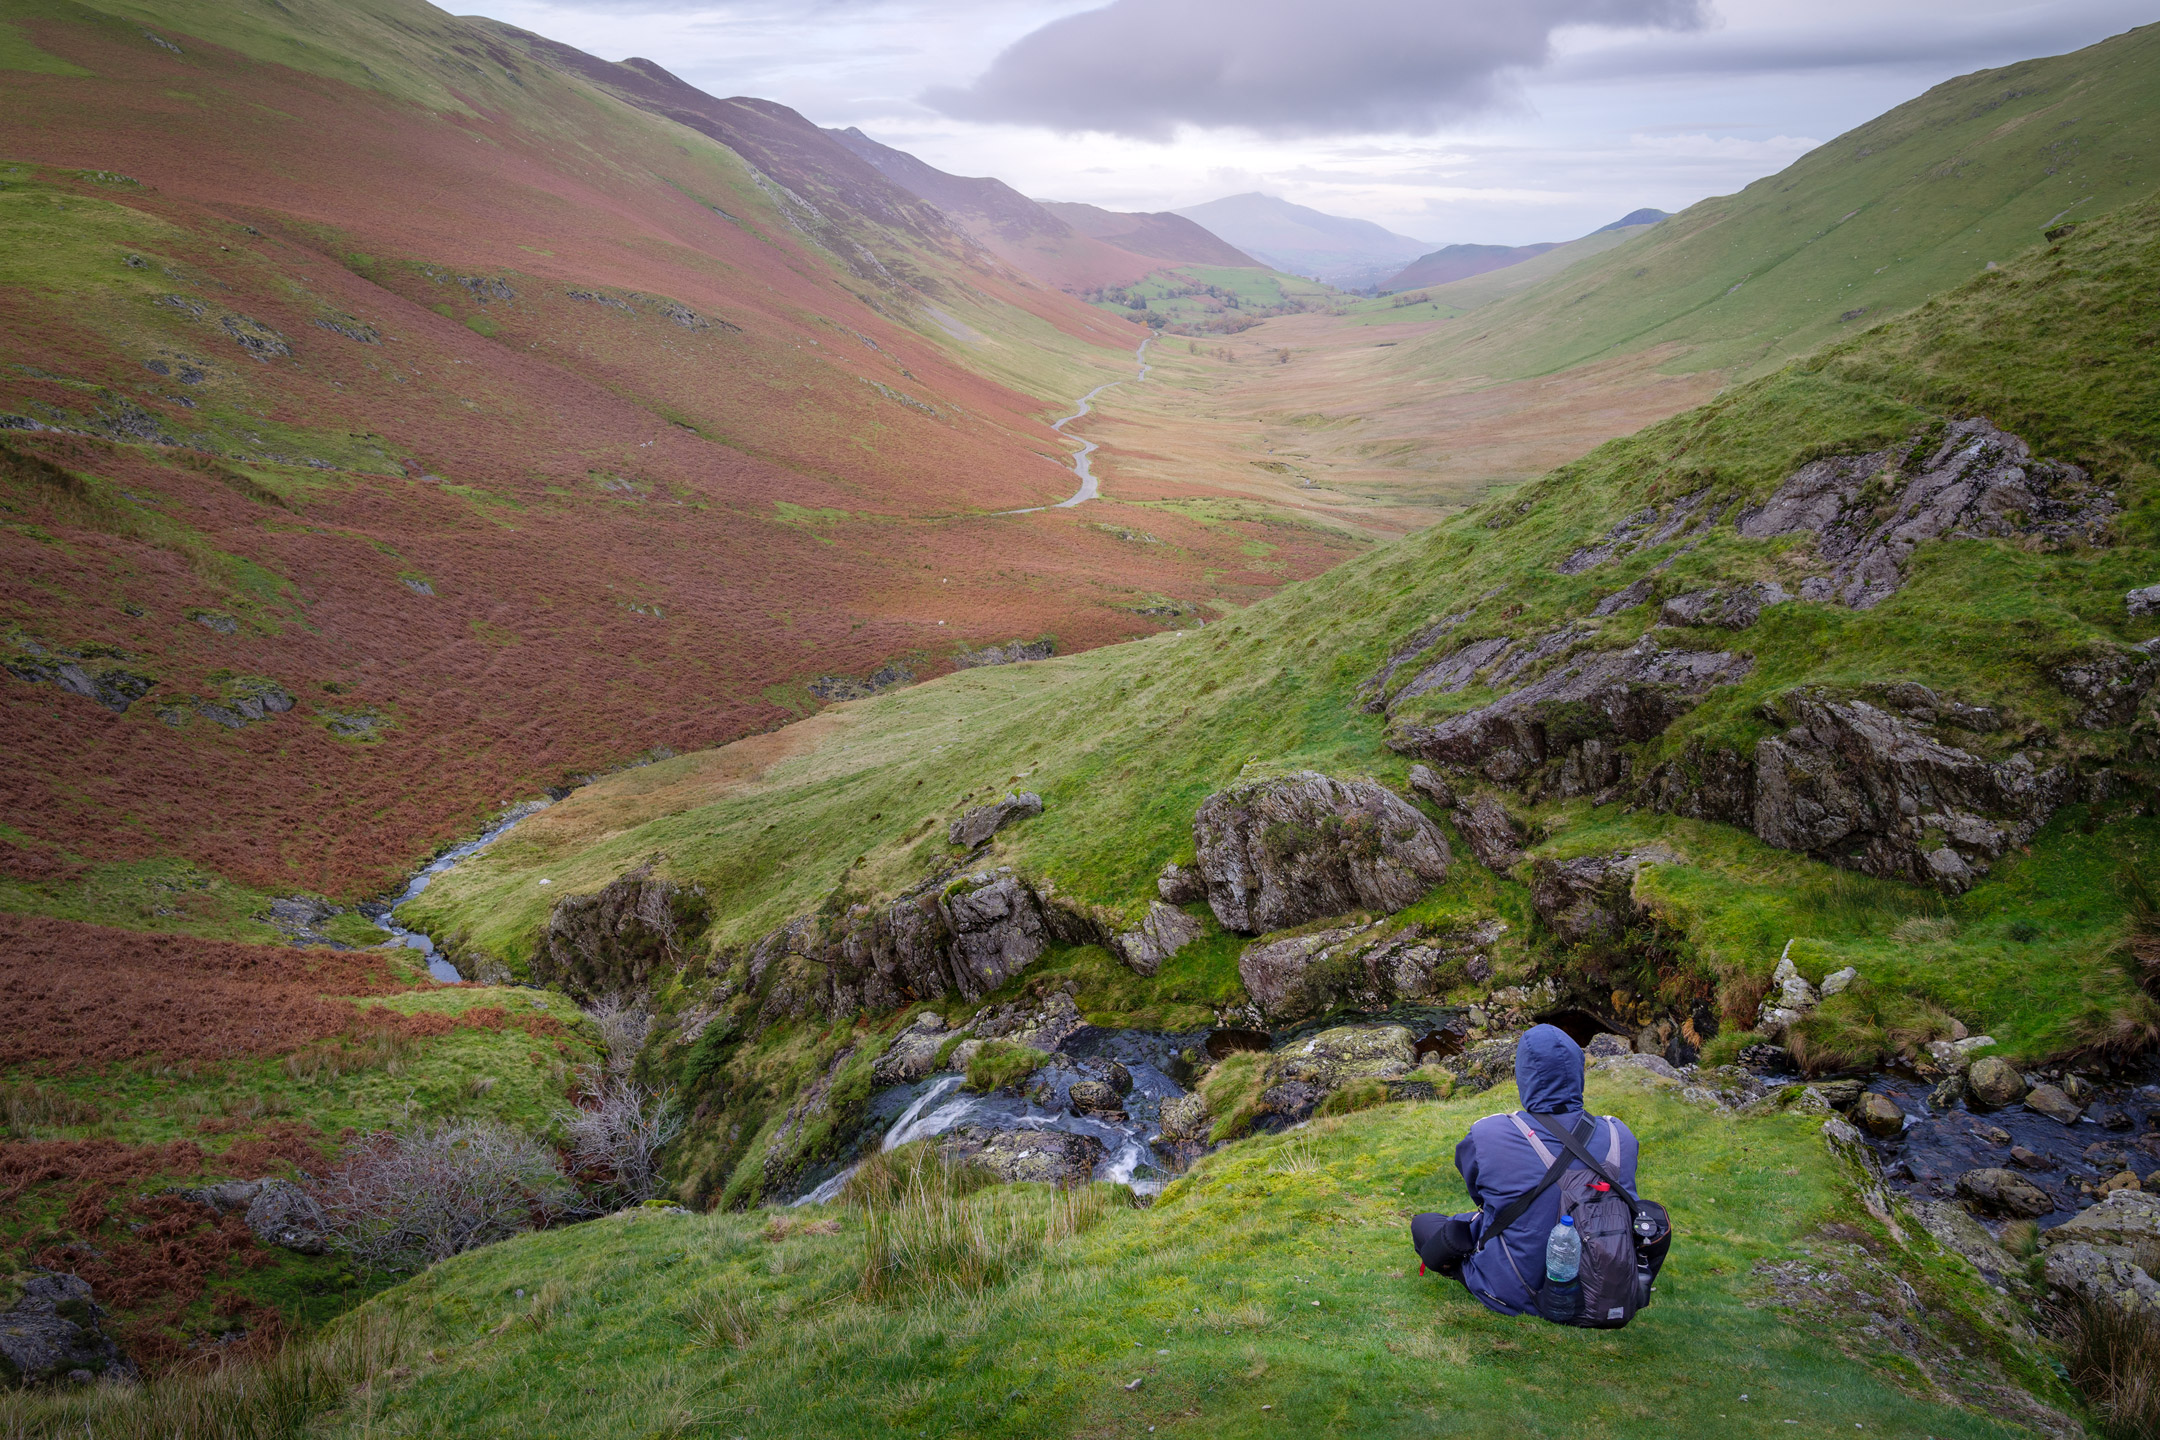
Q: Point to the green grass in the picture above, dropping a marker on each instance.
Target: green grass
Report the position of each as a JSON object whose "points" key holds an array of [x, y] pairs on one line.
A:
{"points": [[1211, 300], [1276, 1274], [1910, 204]]}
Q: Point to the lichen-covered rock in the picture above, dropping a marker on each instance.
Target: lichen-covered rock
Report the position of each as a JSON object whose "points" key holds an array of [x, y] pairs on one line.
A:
{"points": [[620, 938], [1051, 1157], [1607, 696], [1865, 789], [1734, 609], [2002, 1192], [1333, 1058], [1095, 1097], [1980, 481], [1181, 884], [1591, 898], [913, 1051], [2126, 1217], [979, 824], [1164, 932], [1296, 977], [1837, 981], [50, 1331], [1484, 1065], [997, 929], [1607, 1045], [1879, 1114], [2142, 602], [1432, 787], [2103, 1275], [284, 1215], [1293, 1100], [1790, 997], [1185, 1117], [1960, 1234], [1493, 835], [1993, 1082], [1281, 852], [1040, 1024]]}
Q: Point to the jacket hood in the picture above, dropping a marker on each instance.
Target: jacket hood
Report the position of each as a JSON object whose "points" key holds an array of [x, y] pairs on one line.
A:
{"points": [[1549, 1071]]}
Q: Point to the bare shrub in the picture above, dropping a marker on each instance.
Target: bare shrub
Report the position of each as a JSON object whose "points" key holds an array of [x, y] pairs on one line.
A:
{"points": [[623, 1026], [618, 1130], [403, 1201], [2113, 1355]]}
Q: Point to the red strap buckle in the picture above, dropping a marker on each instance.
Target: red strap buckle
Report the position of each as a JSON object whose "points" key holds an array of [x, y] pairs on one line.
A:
{"points": [[1601, 1185]]}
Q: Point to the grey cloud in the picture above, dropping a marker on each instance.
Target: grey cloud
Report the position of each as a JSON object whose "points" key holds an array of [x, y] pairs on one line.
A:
{"points": [[1897, 44], [1141, 68]]}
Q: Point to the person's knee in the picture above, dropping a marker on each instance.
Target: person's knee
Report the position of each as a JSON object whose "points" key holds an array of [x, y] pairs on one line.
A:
{"points": [[1441, 1241]]}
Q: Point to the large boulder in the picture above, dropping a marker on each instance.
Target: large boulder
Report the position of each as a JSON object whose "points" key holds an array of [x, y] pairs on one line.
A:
{"points": [[1052, 1157], [2101, 1275], [1611, 697], [2049, 1100], [1333, 1058], [997, 929], [1165, 931], [1185, 1118], [2125, 1218], [1486, 1064], [2002, 1192], [979, 824], [1865, 789], [50, 1332], [913, 1051], [1590, 898], [1956, 1231], [1993, 1082], [1280, 852], [1297, 977], [1880, 1115], [1978, 481], [1790, 998], [618, 939]]}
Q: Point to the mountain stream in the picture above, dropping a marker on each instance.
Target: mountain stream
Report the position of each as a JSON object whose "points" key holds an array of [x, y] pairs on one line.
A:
{"points": [[1082, 466]]}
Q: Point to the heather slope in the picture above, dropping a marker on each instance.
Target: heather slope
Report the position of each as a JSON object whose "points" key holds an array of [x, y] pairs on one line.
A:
{"points": [[403, 415]]}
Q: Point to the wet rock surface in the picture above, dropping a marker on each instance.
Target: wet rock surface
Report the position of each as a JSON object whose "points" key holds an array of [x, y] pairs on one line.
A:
{"points": [[620, 938], [1280, 852], [1368, 968], [1053, 1157], [979, 824], [50, 1331], [913, 1052]]}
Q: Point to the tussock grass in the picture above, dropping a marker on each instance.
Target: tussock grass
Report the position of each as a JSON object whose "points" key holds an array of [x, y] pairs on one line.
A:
{"points": [[28, 1107], [2113, 1355], [241, 1399]]}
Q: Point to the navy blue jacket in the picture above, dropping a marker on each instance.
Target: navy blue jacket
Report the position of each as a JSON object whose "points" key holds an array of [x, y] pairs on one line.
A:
{"points": [[1498, 1164]]}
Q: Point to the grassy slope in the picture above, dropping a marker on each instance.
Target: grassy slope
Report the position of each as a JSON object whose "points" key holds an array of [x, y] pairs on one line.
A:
{"points": [[1457, 297], [1878, 219], [1124, 742], [1276, 1275]]}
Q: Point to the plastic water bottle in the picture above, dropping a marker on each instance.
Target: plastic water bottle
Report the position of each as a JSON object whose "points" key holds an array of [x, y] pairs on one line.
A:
{"points": [[1563, 1253]]}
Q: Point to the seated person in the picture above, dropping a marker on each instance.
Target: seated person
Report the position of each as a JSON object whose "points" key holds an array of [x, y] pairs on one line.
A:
{"points": [[1500, 1163]]}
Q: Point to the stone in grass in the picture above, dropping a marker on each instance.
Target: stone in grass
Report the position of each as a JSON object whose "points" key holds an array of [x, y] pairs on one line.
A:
{"points": [[1999, 1192], [2050, 1101], [1994, 1083], [50, 1331], [1879, 1114], [984, 821], [2143, 602]]}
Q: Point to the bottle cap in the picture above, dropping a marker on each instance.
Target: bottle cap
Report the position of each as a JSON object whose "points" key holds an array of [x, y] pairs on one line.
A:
{"points": [[1567, 1219]]}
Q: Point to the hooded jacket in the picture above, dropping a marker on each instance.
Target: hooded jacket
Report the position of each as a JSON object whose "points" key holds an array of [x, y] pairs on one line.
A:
{"points": [[1498, 1164]]}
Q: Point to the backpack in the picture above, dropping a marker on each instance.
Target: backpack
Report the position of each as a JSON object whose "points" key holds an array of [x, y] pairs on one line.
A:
{"points": [[1624, 1237]]}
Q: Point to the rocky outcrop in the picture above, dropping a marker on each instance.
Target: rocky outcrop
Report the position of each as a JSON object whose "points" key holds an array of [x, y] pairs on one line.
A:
{"points": [[1790, 998], [1591, 898], [1165, 931], [1181, 884], [1608, 696], [617, 940], [1734, 609], [1280, 852], [1051, 1157], [913, 1052], [1333, 1058], [1957, 1231], [2100, 1252], [1296, 977], [1865, 789], [1483, 1065], [1011, 653], [1493, 835], [1040, 1025], [1643, 530], [979, 824], [2112, 684], [2142, 602], [997, 929], [1869, 512], [94, 672], [49, 1332]]}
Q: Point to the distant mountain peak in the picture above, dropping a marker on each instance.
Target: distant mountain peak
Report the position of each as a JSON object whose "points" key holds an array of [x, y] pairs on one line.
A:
{"points": [[1644, 216]]}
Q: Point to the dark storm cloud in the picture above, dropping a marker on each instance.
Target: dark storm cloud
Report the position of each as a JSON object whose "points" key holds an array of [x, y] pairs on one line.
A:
{"points": [[1282, 67]]}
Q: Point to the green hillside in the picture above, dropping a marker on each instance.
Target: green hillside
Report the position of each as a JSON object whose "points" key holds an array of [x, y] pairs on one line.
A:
{"points": [[1870, 224]]}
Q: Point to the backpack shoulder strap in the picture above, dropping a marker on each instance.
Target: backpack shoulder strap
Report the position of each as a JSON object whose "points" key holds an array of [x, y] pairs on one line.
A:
{"points": [[1574, 1145], [1612, 1142], [1515, 1209]]}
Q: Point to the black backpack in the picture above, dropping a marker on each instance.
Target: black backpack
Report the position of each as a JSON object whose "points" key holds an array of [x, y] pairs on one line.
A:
{"points": [[1624, 1237]]}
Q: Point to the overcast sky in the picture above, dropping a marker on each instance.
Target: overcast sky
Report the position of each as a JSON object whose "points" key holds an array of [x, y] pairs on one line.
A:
{"points": [[1503, 121]]}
